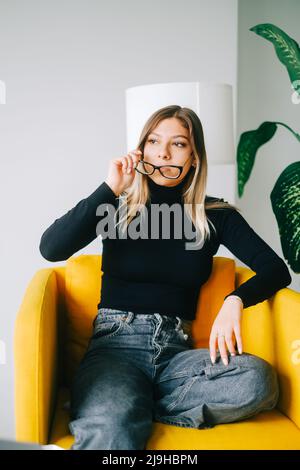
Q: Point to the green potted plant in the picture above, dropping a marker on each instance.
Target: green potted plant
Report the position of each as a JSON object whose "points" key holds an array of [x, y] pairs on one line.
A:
{"points": [[285, 195]]}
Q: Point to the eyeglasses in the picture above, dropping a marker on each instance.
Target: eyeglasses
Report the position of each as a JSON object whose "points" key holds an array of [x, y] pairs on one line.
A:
{"points": [[167, 171]]}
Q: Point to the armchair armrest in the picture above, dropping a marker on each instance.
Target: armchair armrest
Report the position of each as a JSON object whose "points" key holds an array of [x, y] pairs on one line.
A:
{"points": [[37, 356], [285, 306]]}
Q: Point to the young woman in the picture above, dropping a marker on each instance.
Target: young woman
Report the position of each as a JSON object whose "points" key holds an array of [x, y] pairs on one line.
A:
{"points": [[140, 364]]}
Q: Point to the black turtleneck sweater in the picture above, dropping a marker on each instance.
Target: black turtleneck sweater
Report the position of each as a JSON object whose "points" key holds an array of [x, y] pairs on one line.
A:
{"points": [[161, 275]]}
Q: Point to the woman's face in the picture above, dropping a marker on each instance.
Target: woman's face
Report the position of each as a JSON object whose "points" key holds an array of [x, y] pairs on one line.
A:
{"points": [[168, 144]]}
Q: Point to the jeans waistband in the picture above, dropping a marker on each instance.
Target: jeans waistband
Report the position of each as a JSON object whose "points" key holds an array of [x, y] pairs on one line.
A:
{"points": [[186, 325]]}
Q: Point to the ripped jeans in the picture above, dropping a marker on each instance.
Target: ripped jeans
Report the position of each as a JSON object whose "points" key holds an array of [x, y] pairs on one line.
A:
{"points": [[140, 368]]}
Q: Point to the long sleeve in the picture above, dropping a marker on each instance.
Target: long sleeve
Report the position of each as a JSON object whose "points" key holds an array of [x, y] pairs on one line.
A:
{"points": [[271, 271], [77, 228]]}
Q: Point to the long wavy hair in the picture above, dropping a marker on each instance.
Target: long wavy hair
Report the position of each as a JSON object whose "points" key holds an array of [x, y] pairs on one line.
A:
{"points": [[137, 195]]}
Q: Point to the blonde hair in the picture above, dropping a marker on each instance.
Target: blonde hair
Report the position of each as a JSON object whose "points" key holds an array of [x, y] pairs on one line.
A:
{"points": [[194, 191]]}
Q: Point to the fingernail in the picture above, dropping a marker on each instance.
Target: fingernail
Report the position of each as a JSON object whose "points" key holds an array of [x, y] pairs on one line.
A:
{"points": [[225, 362], [212, 359], [232, 354], [240, 351]]}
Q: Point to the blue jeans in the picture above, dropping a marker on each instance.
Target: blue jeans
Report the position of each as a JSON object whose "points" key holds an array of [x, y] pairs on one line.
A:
{"points": [[140, 368]]}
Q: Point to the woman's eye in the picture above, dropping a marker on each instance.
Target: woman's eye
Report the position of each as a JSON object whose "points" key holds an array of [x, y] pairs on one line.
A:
{"points": [[179, 143]]}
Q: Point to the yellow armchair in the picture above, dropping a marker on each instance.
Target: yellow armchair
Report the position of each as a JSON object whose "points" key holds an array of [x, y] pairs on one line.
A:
{"points": [[54, 324]]}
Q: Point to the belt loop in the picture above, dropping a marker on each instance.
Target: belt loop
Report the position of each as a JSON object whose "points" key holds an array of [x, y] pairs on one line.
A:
{"points": [[178, 323], [158, 316], [129, 317]]}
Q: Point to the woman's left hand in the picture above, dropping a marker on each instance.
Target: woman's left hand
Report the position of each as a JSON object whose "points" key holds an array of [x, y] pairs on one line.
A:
{"points": [[227, 322]]}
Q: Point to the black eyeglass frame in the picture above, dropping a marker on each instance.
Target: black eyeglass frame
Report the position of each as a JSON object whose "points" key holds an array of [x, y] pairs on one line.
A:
{"points": [[155, 167]]}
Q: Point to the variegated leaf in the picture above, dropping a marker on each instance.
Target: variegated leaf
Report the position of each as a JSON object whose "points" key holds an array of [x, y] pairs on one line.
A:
{"points": [[286, 48], [285, 200], [248, 145]]}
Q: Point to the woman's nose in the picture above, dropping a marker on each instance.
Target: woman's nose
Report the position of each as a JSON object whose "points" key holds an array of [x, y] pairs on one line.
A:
{"points": [[164, 158]]}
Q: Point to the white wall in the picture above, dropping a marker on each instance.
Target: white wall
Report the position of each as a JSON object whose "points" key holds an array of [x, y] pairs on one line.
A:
{"points": [[66, 65], [264, 94]]}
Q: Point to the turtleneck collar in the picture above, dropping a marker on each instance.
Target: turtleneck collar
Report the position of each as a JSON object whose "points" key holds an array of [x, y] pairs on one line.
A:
{"points": [[160, 193]]}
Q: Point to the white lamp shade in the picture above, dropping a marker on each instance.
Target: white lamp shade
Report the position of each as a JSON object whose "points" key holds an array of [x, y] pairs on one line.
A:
{"points": [[212, 102]]}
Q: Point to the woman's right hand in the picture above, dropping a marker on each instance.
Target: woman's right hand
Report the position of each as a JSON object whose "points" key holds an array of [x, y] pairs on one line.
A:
{"points": [[121, 171]]}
